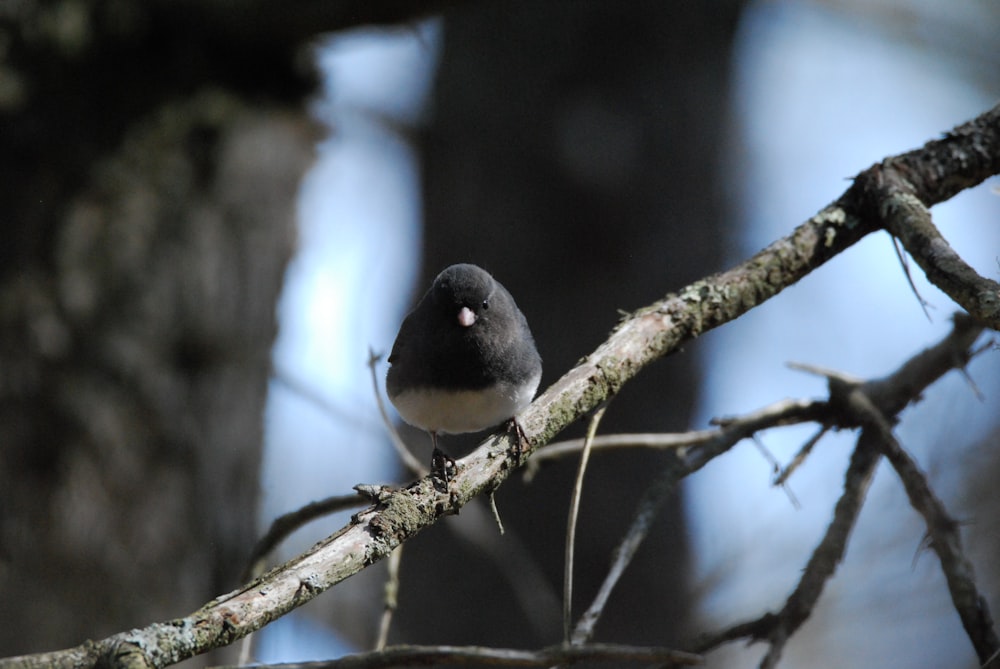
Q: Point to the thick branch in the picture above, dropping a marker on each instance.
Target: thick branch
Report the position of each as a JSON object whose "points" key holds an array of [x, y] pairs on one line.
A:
{"points": [[906, 218], [898, 191]]}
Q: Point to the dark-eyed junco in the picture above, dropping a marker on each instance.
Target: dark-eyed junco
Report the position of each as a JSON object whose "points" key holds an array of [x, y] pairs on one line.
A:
{"points": [[464, 359]]}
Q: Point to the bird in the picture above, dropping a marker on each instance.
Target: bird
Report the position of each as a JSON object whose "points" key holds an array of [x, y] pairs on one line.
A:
{"points": [[464, 359]]}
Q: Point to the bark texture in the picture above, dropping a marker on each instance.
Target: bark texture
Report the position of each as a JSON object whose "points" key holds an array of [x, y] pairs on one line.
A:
{"points": [[148, 204]]}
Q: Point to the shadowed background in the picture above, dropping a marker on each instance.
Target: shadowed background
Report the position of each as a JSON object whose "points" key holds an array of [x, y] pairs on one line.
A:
{"points": [[583, 152]]}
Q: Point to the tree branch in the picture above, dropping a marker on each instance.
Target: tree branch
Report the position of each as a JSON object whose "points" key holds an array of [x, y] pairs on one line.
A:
{"points": [[940, 169], [686, 458], [907, 219], [874, 405], [693, 445], [943, 532], [899, 190], [409, 656], [947, 543], [284, 525], [830, 551]]}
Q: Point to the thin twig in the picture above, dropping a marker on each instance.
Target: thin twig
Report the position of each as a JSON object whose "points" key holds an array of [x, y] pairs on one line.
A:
{"points": [[284, 525], [652, 501], [409, 461], [733, 429], [775, 465], [968, 377], [766, 453], [825, 372], [905, 265], [628, 441], [391, 597], [574, 511], [801, 456], [495, 511]]}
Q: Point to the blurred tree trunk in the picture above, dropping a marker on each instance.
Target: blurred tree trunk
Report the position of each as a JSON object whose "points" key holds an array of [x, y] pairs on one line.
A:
{"points": [[151, 155], [150, 169], [573, 151]]}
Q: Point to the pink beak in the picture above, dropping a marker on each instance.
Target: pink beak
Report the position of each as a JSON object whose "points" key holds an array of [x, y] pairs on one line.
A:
{"points": [[466, 317]]}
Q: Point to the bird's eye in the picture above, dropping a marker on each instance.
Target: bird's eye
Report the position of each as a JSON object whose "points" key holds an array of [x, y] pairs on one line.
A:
{"points": [[486, 305]]}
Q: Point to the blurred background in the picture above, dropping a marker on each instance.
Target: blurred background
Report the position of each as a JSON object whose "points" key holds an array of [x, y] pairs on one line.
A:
{"points": [[212, 215]]}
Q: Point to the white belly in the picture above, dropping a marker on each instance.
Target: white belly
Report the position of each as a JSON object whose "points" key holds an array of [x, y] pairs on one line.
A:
{"points": [[464, 410]]}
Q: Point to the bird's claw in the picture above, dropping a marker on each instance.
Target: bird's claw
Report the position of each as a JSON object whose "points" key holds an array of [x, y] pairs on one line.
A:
{"points": [[520, 439], [443, 469]]}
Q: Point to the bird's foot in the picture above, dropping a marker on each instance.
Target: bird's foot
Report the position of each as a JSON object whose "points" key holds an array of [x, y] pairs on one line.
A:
{"points": [[520, 439], [443, 469]]}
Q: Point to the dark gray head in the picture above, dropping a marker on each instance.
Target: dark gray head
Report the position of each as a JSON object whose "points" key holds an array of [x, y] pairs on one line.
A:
{"points": [[466, 294], [466, 331]]}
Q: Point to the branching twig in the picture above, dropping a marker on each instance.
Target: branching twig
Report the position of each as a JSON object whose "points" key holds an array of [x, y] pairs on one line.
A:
{"points": [[777, 628], [909, 220], [734, 429], [683, 461], [610, 442], [868, 405]]}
